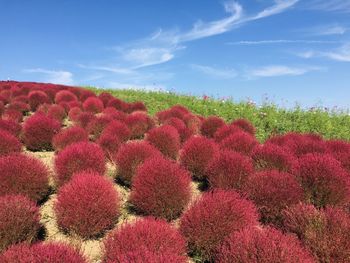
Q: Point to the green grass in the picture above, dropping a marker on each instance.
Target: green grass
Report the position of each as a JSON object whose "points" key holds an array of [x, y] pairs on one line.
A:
{"points": [[268, 118]]}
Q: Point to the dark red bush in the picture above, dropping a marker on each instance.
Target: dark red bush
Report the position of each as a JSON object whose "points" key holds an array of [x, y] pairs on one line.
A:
{"points": [[23, 174], [196, 154], [225, 131], [161, 188], [241, 142], [56, 112], [193, 123], [87, 205], [130, 156], [69, 136], [245, 125], [38, 131], [9, 143], [341, 151], [229, 170], [65, 96], [42, 252], [97, 125], [18, 106], [184, 132], [11, 126], [2, 107], [78, 157], [166, 139], [74, 113], [105, 97], [139, 123], [272, 191], [324, 181], [19, 220], [84, 118], [93, 104], [110, 144], [266, 245], [118, 104], [210, 125], [176, 111], [146, 238], [115, 114], [13, 115], [118, 129], [214, 217], [137, 106], [85, 94], [37, 98]]}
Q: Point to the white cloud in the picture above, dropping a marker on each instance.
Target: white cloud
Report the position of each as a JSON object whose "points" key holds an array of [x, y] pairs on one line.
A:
{"points": [[112, 69], [341, 54], [325, 30], [306, 54], [281, 41], [54, 76], [342, 6], [215, 72], [279, 7], [280, 70]]}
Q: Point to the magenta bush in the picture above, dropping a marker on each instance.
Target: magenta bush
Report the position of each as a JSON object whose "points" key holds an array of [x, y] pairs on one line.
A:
{"points": [[69, 136], [93, 104], [245, 125], [210, 125], [241, 142], [139, 123], [9, 143], [65, 96], [37, 98]]}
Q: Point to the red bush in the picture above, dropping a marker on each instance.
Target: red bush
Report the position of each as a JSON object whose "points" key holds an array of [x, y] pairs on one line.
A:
{"points": [[65, 96], [196, 154], [193, 123], [37, 98], [56, 112], [271, 156], [2, 107], [161, 188], [130, 156], [11, 126], [118, 129], [241, 142], [42, 252], [229, 170], [87, 205], [93, 104], [9, 143], [341, 151], [85, 94], [105, 97], [272, 191], [38, 131], [84, 118], [18, 106], [137, 106], [212, 218], [14, 115], [245, 125], [74, 113], [166, 139], [110, 144], [23, 174], [19, 220], [69, 136], [139, 123], [78, 157], [184, 132], [146, 238], [97, 125], [324, 181], [115, 114], [225, 131], [267, 245], [210, 125], [117, 104]]}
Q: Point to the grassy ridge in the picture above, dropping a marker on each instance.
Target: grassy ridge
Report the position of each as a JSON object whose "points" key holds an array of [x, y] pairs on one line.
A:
{"points": [[267, 118]]}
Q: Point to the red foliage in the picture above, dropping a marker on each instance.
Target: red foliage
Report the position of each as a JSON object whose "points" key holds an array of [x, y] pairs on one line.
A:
{"points": [[196, 154], [19, 220], [56, 112], [341, 151], [105, 97], [115, 114], [85, 94], [110, 144], [14, 115], [18, 106], [139, 123], [146, 240], [84, 118], [93, 104], [241, 142], [97, 125], [272, 191], [118, 129], [212, 218], [37, 98], [74, 113], [166, 139], [87, 205], [65, 96], [130, 156], [11, 126], [161, 188], [9, 143], [78, 157], [177, 111], [69, 136], [210, 125], [225, 131], [245, 125], [38, 131], [137, 106], [184, 132], [2, 107], [266, 245], [193, 123], [229, 170], [324, 181], [118, 104]]}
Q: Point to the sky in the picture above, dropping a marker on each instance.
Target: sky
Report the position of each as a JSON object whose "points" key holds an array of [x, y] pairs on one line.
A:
{"points": [[287, 51]]}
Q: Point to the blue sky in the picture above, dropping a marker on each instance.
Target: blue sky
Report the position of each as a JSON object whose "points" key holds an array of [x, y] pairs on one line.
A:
{"points": [[287, 50]]}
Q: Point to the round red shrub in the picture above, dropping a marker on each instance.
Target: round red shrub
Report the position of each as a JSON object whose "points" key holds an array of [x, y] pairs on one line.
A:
{"points": [[214, 217], [336, 147], [85, 94], [87, 205], [42, 252], [2, 107], [93, 104], [130, 156], [19, 220], [14, 115], [139, 123], [69, 136], [56, 112], [11, 126], [225, 131], [176, 111], [37, 98], [18, 106], [78, 157], [110, 144], [105, 97], [115, 114], [166, 139], [266, 245], [23, 174], [161, 188], [184, 132], [137, 106], [210, 125], [65, 96], [97, 125], [196, 154], [38, 131], [84, 118], [118, 129], [245, 125], [146, 238], [74, 113], [272, 191], [229, 170], [241, 142], [193, 123], [9, 143], [323, 179], [118, 104]]}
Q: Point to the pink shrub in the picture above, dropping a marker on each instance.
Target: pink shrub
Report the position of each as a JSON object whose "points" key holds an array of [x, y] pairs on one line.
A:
{"points": [[37, 98], [85, 94], [69, 136], [2, 107], [241, 142], [118, 104], [11, 126], [139, 123], [84, 118], [193, 123], [18, 106], [245, 125], [137, 106], [161, 188], [118, 129], [212, 218], [13, 115], [78, 157], [74, 113], [56, 112], [225, 131], [105, 97], [184, 132], [97, 125], [210, 125], [146, 238], [93, 104], [9, 143], [65, 96]]}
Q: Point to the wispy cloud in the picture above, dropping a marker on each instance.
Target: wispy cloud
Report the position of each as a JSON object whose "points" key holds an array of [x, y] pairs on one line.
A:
{"points": [[325, 30], [281, 70], [53, 76], [281, 41], [215, 72], [342, 6], [112, 69], [279, 7], [341, 54]]}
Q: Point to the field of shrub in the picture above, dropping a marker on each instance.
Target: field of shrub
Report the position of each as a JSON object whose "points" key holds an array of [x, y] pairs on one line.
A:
{"points": [[90, 175]]}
